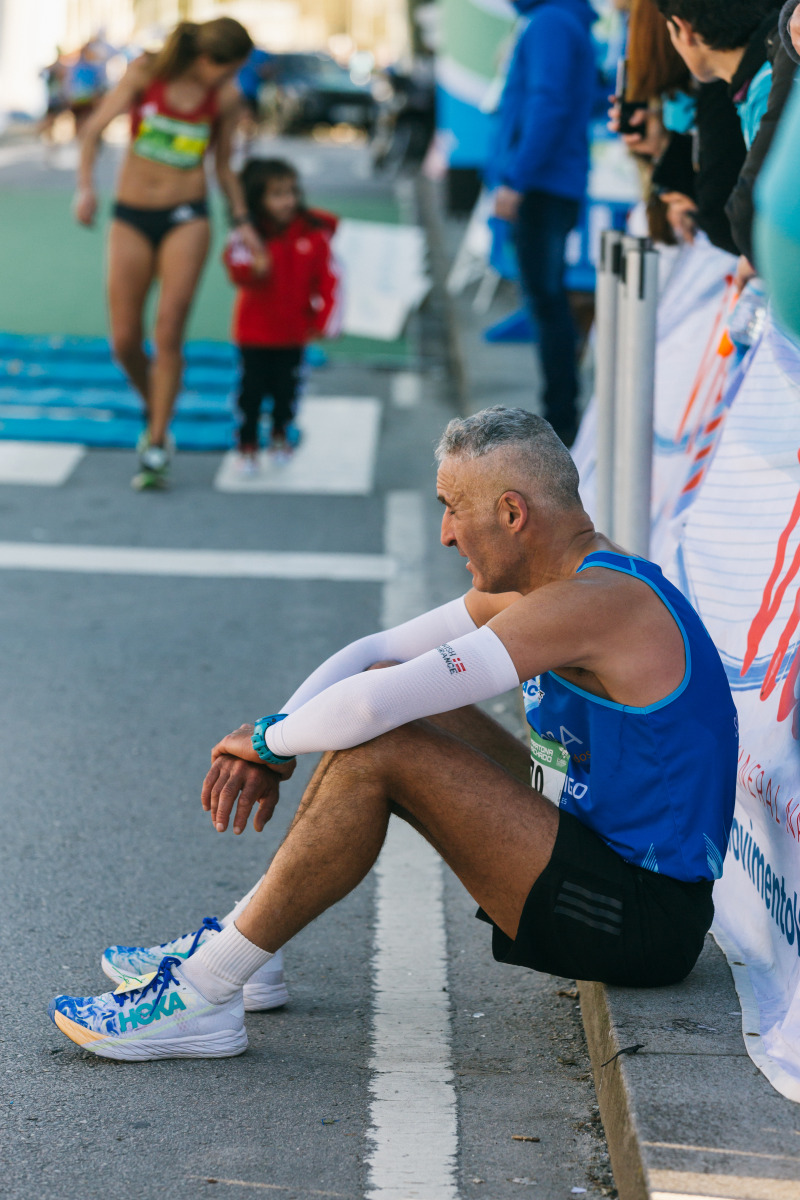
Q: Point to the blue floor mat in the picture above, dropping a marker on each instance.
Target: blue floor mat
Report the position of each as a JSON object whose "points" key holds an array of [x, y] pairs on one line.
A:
{"points": [[68, 389], [39, 349], [110, 431], [88, 373]]}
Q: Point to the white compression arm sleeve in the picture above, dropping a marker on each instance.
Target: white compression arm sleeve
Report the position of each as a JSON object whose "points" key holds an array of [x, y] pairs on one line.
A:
{"points": [[464, 671], [402, 643]]}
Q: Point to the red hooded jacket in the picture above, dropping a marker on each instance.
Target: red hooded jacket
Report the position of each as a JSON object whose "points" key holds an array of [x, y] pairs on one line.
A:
{"points": [[295, 300]]}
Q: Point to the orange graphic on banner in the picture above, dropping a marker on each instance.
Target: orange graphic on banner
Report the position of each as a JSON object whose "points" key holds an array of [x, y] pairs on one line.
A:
{"points": [[774, 591], [713, 365]]}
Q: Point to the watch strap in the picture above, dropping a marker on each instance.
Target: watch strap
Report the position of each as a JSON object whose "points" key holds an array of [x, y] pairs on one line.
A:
{"points": [[259, 744]]}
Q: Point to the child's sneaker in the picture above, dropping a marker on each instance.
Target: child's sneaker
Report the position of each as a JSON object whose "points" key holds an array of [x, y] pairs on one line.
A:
{"points": [[247, 463], [281, 451], [165, 1017]]}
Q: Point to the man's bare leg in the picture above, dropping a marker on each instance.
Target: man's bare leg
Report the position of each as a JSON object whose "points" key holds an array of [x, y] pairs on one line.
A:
{"points": [[491, 828]]}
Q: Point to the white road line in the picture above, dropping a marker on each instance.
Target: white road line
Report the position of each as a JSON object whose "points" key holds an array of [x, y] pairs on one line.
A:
{"points": [[414, 1135], [199, 564], [44, 464], [406, 389], [336, 456]]}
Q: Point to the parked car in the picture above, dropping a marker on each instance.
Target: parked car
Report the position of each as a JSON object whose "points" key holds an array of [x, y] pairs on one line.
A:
{"points": [[305, 90]]}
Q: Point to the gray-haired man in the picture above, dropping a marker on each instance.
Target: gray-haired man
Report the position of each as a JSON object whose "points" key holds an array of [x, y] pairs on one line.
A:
{"points": [[601, 869]]}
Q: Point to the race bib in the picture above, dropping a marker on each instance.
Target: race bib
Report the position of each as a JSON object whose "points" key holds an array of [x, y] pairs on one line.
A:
{"points": [[172, 142], [549, 763]]}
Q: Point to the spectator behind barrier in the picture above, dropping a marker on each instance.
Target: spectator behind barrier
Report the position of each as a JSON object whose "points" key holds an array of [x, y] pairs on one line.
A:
{"points": [[691, 142], [737, 41], [653, 69], [777, 226], [541, 161]]}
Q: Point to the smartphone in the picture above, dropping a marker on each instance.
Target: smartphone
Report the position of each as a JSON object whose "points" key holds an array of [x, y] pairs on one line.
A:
{"points": [[627, 108]]}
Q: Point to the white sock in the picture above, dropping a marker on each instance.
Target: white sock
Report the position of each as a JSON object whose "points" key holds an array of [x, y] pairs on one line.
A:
{"points": [[223, 965], [240, 906]]}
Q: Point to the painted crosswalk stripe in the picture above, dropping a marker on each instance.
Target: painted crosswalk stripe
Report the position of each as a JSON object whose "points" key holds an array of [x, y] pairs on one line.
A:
{"points": [[414, 1134], [336, 456], [44, 464], [199, 564]]}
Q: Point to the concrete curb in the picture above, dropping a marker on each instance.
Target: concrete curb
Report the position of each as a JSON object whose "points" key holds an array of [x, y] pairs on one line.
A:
{"points": [[613, 1098], [687, 1114]]}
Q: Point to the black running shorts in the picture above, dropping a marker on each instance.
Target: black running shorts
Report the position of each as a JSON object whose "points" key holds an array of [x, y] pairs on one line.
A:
{"points": [[591, 915], [156, 223]]}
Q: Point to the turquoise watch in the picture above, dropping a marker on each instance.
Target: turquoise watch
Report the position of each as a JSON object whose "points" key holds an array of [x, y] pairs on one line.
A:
{"points": [[260, 746]]}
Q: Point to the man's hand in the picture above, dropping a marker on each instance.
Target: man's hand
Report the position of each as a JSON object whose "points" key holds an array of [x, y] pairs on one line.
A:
{"points": [[239, 744], [651, 141], [253, 784], [506, 203], [681, 214], [745, 271]]}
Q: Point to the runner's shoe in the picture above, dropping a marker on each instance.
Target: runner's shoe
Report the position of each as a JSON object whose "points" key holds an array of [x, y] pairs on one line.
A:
{"points": [[280, 451], [154, 463], [164, 1018], [128, 965], [247, 462]]}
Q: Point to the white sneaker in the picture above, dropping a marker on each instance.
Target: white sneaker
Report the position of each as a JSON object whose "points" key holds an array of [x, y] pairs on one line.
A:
{"points": [[154, 464], [247, 466], [128, 965], [164, 1018]]}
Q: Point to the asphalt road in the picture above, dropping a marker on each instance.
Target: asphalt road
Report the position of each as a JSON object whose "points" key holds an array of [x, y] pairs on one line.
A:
{"points": [[115, 688]]}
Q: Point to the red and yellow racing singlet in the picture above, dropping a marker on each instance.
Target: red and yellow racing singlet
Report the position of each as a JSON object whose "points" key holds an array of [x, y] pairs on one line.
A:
{"points": [[165, 136]]}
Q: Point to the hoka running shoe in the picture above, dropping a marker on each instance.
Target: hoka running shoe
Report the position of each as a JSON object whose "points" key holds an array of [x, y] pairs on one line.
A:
{"points": [[129, 964], [164, 1018]]}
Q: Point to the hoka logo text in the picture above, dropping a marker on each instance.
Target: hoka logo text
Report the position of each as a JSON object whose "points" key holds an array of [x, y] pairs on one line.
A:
{"points": [[143, 1014]]}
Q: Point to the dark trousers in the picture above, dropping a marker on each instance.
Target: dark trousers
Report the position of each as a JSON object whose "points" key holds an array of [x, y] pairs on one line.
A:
{"points": [[268, 371], [540, 235]]}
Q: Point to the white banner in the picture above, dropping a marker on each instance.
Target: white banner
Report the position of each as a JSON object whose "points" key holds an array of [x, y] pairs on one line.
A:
{"points": [[726, 530], [384, 276]]}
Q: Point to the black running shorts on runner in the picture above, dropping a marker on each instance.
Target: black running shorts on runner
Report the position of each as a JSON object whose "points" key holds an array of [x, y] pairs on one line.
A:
{"points": [[591, 915]]}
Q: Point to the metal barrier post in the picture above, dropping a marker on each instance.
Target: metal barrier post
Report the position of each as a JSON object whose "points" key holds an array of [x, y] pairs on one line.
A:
{"points": [[633, 456], [606, 310]]}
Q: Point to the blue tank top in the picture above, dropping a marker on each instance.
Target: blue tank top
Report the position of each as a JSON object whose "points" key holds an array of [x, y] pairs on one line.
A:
{"points": [[657, 784]]}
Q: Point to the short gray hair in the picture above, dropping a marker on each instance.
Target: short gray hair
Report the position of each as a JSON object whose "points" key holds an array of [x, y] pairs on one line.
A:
{"points": [[534, 439]]}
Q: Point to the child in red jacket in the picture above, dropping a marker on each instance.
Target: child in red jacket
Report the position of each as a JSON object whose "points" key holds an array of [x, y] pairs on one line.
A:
{"points": [[286, 296]]}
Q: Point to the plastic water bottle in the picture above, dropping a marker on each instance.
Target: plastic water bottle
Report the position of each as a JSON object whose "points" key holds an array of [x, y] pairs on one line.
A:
{"points": [[749, 315]]}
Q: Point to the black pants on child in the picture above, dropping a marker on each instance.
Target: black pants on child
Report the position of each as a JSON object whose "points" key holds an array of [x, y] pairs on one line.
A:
{"points": [[268, 371]]}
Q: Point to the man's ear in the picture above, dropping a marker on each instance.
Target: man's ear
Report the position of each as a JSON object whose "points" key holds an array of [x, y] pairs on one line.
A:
{"points": [[681, 31], [513, 511]]}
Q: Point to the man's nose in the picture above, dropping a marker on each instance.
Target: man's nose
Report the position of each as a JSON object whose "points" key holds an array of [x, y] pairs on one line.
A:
{"points": [[447, 538]]}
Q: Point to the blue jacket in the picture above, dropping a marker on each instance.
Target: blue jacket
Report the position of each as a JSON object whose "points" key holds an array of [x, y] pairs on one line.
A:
{"points": [[542, 139]]}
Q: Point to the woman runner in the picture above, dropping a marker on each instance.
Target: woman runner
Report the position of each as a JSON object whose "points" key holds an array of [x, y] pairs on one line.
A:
{"points": [[182, 101]]}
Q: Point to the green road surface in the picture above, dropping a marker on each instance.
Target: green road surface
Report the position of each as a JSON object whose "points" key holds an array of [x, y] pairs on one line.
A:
{"points": [[52, 271]]}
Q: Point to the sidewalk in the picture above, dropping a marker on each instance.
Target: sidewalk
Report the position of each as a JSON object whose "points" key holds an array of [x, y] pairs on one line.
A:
{"points": [[686, 1112], [484, 372]]}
